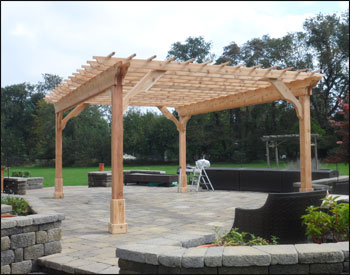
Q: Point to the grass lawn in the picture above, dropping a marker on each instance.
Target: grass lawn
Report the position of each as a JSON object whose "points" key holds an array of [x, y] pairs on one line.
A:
{"points": [[79, 175]]}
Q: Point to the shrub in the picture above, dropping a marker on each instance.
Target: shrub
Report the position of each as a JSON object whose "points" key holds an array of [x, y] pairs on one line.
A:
{"points": [[23, 174], [235, 238], [327, 223], [20, 207]]}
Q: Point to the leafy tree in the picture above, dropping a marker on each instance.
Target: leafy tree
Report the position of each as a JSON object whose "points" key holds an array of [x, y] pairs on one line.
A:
{"points": [[328, 38], [87, 139], [43, 132], [342, 126], [51, 81], [194, 47], [16, 110]]}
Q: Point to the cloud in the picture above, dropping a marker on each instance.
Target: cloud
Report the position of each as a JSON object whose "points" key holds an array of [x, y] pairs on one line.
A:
{"points": [[59, 37]]}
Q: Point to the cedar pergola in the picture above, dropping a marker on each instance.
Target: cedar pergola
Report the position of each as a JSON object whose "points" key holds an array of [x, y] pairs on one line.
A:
{"points": [[275, 140], [189, 88]]}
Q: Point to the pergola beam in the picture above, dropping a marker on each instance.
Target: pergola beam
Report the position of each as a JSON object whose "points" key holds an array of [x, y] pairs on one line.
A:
{"points": [[252, 97], [199, 68], [89, 89]]}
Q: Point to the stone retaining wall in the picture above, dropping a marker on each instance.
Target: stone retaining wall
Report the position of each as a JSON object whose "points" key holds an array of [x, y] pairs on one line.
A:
{"points": [[104, 178], [26, 238], [179, 254], [100, 179], [19, 185]]}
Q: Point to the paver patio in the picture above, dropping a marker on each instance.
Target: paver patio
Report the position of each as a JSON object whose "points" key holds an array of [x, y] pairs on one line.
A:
{"points": [[151, 212]]}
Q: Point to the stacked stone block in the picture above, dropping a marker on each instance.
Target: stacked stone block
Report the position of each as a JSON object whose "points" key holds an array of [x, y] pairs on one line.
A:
{"points": [[100, 179], [15, 185], [19, 185], [26, 238], [35, 183], [164, 256]]}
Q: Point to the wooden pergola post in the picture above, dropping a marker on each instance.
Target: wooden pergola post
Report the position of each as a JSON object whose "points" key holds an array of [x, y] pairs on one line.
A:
{"points": [[117, 206], [305, 145], [58, 179], [276, 155], [182, 152], [267, 154]]}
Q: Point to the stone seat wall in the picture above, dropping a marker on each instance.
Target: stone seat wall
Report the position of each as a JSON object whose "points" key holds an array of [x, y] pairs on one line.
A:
{"points": [[19, 185], [179, 254]]}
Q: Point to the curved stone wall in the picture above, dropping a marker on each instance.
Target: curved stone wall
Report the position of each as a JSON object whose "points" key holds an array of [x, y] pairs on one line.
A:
{"points": [[179, 254]]}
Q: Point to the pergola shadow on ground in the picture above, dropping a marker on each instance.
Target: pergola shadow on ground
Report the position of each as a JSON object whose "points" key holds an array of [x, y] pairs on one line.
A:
{"points": [[189, 88]]}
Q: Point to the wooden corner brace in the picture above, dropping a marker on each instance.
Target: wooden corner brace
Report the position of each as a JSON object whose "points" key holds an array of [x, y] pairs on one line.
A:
{"points": [[180, 125], [75, 112], [287, 94]]}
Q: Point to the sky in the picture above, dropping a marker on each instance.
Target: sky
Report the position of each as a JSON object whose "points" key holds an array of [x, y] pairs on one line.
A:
{"points": [[56, 37]]}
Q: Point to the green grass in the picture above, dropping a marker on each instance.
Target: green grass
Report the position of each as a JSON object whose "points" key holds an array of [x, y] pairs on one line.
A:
{"points": [[79, 175]]}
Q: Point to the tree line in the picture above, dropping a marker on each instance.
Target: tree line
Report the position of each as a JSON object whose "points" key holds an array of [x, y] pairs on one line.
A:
{"points": [[28, 122]]}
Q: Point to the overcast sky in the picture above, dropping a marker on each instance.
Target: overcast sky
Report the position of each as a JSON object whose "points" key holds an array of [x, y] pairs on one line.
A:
{"points": [[58, 37]]}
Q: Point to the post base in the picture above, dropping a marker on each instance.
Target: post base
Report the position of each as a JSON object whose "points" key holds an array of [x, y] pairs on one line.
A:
{"points": [[118, 228], [184, 189], [58, 195], [117, 223], [305, 189], [58, 189]]}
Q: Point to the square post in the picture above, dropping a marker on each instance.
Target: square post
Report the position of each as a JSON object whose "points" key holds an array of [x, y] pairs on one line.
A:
{"points": [[267, 154], [58, 179], [305, 145], [182, 152], [117, 206]]}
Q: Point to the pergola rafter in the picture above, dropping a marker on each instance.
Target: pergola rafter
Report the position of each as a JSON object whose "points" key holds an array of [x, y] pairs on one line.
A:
{"points": [[190, 88]]}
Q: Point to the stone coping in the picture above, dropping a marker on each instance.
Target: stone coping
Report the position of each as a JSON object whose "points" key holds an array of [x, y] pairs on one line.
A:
{"points": [[41, 214], [326, 181], [23, 178], [182, 251], [128, 172]]}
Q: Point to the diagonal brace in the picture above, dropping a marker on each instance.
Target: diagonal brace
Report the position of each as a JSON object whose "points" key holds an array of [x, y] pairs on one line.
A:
{"points": [[143, 85], [287, 94], [180, 125], [170, 116], [75, 112]]}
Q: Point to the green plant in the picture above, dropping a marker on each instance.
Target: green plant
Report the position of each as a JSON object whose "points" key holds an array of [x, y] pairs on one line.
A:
{"points": [[327, 223], [19, 205], [23, 174], [235, 238]]}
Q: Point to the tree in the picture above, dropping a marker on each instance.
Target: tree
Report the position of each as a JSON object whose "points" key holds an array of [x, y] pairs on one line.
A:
{"points": [[328, 38], [194, 47], [16, 110], [342, 126]]}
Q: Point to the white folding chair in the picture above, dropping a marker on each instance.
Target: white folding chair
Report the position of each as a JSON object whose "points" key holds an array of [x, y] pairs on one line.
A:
{"points": [[200, 175]]}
